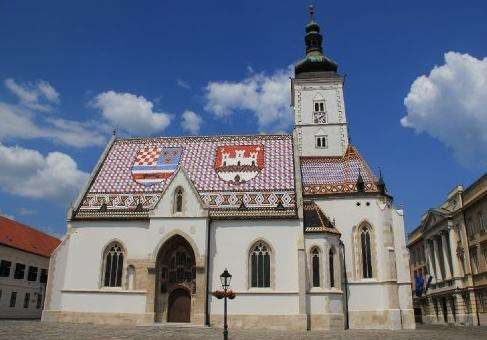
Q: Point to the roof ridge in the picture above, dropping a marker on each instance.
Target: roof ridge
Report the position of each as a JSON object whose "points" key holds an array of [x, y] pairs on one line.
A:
{"points": [[28, 227], [205, 136]]}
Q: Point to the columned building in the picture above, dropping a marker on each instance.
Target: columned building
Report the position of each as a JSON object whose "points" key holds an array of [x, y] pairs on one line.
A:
{"points": [[308, 232], [448, 251]]}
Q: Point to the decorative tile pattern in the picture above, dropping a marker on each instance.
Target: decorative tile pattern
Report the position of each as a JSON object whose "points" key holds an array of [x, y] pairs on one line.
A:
{"points": [[329, 175], [114, 188], [315, 221]]}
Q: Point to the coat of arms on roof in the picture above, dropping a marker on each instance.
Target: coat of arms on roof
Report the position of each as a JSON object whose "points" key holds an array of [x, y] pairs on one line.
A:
{"points": [[155, 164], [239, 163]]}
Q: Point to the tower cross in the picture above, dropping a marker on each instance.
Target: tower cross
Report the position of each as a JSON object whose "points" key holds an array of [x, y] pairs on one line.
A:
{"points": [[312, 11]]}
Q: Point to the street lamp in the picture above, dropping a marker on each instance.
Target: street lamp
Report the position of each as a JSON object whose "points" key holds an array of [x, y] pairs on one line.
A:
{"points": [[225, 279]]}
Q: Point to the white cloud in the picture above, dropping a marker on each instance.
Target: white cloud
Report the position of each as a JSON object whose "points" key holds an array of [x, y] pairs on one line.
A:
{"points": [[27, 173], [450, 104], [20, 122], [34, 95], [183, 84], [266, 96], [191, 122], [26, 212], [130, 112]]}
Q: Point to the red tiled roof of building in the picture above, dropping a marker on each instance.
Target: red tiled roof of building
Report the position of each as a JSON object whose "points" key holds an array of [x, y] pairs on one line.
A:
{"points": [[337, 174], [17, 235]]}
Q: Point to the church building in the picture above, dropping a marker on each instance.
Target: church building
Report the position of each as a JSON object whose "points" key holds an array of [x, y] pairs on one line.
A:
{"points": [[308, 232]]}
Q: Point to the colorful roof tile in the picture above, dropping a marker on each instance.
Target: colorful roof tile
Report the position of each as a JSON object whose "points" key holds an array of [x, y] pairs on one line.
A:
{"points": [[17, 235], [315, 221], [336, 174], [225, 170]]}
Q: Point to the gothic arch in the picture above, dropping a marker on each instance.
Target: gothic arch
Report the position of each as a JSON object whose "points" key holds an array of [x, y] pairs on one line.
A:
{"points": [[175, 269], [272, 262], [103, 263], [169, 235], [315, 268], [364, 251]]}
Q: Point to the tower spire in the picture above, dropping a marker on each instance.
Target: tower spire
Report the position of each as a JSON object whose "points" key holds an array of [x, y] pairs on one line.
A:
{"points": [[314, 60]]}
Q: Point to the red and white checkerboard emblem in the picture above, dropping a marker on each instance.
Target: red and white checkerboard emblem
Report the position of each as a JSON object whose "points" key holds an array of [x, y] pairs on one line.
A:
{"points": [[239, 163], [155, 164]]}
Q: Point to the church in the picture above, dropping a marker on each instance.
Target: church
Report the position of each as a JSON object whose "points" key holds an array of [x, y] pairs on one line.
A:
{"points": [[307, 230]]}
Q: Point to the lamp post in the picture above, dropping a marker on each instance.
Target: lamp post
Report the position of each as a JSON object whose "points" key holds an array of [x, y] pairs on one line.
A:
{"points": [[225, 279]]}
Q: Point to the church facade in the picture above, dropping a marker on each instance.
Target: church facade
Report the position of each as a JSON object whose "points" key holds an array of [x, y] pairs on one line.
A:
{"points": [[308, 232]]}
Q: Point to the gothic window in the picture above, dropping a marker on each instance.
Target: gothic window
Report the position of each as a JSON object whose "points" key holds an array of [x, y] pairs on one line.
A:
{"points": [[113, 265], [321, 142], [178, 205], [366, 252], [331, 266], [260, 263], [315, 258]]}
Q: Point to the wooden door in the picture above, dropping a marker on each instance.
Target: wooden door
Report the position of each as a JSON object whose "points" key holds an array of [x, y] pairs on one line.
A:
{"points": [[179, 306]]}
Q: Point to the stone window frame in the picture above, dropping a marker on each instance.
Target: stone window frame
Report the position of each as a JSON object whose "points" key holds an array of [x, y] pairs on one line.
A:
{"points": [[356, 237], [321, 273], [179, 190], [272, 271], [321, 138], [123, 283]]}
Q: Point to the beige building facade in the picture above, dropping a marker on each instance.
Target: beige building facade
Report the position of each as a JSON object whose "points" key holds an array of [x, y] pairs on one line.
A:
{"points": [[448, 259], [24, 264]]}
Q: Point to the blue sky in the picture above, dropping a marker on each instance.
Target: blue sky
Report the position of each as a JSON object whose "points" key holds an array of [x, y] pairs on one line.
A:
{"points": [[71, 72]]}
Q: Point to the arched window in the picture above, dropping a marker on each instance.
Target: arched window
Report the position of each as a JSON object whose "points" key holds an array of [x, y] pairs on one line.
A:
{"points": [[113, 265], [178, 206], [260, 263], [315, 258], [331, 266], [366, 252]]}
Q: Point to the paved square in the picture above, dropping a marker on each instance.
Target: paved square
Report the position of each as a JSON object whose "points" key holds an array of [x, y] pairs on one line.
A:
{"points": [[41, 331]]}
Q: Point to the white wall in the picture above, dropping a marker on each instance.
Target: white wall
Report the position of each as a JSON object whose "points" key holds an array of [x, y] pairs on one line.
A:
{"points": [[369, 294], [107, 302], [21, 286], [229, 248], [330, 90]]}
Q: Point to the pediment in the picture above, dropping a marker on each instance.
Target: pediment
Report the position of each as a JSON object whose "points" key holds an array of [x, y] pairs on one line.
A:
{"points": [[192, 205], [433, 217]]}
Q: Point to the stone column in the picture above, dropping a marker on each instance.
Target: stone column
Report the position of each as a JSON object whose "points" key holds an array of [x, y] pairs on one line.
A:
{"points": [[454, 258], [326, 268], [436, 255], [302, 275], [432, 261], [150, 285], [446, 257]]}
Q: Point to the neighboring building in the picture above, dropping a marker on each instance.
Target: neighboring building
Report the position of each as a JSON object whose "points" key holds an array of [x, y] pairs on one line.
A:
{"points": [[449, 259], [24, 264], [308, 232]]}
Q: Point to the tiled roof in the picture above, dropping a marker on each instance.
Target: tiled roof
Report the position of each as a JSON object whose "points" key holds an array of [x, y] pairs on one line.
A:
{"points": [[331, 175], [315, 221], [20, 236], [225, 171]]}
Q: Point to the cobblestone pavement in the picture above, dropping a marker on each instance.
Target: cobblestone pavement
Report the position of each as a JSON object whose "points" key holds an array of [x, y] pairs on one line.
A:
{"points": [[41, 331]]}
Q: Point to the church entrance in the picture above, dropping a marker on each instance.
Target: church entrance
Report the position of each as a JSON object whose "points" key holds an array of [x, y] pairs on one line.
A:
{"points": [[179, 306], [175, 281]]}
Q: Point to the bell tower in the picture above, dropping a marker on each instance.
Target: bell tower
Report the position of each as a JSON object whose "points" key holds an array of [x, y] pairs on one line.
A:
{"points": [[320, 122]]}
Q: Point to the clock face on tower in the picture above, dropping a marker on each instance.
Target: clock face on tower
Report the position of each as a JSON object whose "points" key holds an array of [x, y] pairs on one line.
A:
{"points": [[319, 117]]}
